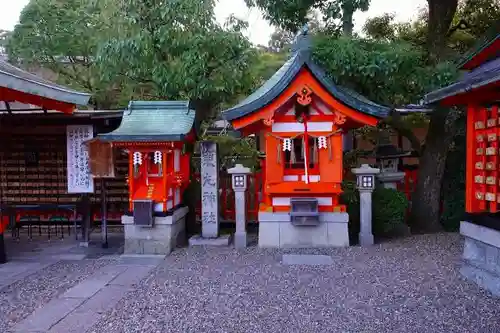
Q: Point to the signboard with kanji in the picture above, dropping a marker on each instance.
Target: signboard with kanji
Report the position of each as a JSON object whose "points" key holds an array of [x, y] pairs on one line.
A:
{"points": [[78, 167]]}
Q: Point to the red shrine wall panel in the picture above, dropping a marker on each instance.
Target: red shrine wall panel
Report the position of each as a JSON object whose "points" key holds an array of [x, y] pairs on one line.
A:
{"points": [[482, 178]]}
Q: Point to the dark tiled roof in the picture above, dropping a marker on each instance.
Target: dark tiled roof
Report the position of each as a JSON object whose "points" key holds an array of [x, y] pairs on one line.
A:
{"points": [[490, 37], [17, 79], [154, 121], [477, 78], [273, 87]]}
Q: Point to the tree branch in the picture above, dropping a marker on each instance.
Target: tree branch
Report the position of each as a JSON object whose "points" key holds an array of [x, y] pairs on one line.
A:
{"points": [[397, 123]]}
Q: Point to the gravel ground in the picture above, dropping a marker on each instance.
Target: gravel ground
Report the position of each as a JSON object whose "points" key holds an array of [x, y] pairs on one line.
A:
{"points": [[20, 299], [410, 285]]}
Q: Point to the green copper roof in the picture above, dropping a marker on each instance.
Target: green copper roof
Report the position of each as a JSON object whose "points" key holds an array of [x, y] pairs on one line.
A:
{"points": [[17, 79], [153, 121], [273, 87]]}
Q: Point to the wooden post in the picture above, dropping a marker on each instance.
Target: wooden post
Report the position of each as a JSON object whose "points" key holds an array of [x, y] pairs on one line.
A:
{"points": [[3, 254], [130, 179], [104, 213], [86, 217]]}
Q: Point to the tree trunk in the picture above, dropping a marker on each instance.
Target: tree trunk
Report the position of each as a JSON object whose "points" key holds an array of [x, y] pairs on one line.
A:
{"points": [[426, 200], [441, 13], [347, 18]]}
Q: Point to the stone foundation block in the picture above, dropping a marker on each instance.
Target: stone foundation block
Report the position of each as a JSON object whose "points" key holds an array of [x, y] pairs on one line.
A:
{"points": [[481, 256], [162, 238], [276, 230]]}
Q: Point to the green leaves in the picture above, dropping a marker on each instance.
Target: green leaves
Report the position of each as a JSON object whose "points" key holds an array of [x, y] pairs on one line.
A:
{"points": [[63, 36], [181, 51], [390, 73], [292, 15]]}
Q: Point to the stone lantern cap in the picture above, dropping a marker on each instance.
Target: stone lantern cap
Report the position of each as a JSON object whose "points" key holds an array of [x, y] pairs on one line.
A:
{"points": [[239, 169], [386, 151], [365, 169]]}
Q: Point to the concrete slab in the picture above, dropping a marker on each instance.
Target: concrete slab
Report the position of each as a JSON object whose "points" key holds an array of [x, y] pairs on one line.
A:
{"points": [[93, 284], [198, 240], [70, 257], [306, 259], [87, 314], [131, 276], [44, 318], [141, 260], [14, 271]]}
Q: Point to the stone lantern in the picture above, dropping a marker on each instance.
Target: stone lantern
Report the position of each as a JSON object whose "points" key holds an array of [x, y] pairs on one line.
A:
{"points": [[387, 156]]}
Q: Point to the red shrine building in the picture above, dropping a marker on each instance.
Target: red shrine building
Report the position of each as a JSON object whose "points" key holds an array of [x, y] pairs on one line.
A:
{"points": [[300, 117], [155, 135], [478, 91]]}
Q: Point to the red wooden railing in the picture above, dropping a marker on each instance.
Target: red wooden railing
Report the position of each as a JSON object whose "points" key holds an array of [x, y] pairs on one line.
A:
{"points": [[226, 196], [409, 183]]}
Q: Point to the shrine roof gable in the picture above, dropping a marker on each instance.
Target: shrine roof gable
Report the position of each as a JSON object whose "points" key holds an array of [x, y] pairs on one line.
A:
{"points": [[148, 121], [17, 79], [487, 48], [482, 76], [278, 83]]}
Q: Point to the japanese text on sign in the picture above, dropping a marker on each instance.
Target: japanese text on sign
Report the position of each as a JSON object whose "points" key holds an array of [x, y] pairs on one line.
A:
{"points": [[210, 188], [78, 167]]}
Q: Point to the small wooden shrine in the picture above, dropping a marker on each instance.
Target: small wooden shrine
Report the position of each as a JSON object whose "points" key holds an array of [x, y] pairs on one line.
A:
{"points": [[478, 90], [300, 117], [154, 135]]}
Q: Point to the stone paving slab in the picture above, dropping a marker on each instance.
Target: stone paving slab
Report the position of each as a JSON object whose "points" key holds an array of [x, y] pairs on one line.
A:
{"points": [[14, 271], [131, 276], [86, 315], [96, 282], [79, 308], [141, 260], [44, 318], [306, 259]]}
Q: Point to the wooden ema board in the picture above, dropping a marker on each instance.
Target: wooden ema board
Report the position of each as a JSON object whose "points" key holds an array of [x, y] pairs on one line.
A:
{"points": [[33, 171], [101, 156], [483, 182]]}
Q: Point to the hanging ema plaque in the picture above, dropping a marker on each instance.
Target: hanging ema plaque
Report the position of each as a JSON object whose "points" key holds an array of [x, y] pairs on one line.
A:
{"points": [[78, 169]]}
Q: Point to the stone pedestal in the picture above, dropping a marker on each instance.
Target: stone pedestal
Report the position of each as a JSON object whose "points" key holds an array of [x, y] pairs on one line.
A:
{"points": [[391, 179], [162, 238], [277, 231], [366, 184], [239, 179], [481, 256]]}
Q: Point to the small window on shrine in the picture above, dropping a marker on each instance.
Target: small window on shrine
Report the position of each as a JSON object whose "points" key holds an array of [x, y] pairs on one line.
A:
{"points": [[295, 157]]}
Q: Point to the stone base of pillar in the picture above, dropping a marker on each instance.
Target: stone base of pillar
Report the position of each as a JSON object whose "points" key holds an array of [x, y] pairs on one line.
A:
{"points": [[277, 231], [198, 240], [366, 239], [162, 238], [240, 240], [481, 256]]}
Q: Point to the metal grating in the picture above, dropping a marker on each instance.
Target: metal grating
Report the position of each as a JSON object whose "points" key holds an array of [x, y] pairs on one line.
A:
{"points": [[143, 213], [304, 211]]}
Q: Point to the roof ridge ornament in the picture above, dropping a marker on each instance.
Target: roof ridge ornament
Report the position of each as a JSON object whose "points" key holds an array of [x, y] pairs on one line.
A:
{"points": [[302, 41]]}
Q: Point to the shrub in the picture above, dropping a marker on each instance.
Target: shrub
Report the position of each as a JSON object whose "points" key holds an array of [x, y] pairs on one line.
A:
{"points": [[389, 211], [388, 215]]}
